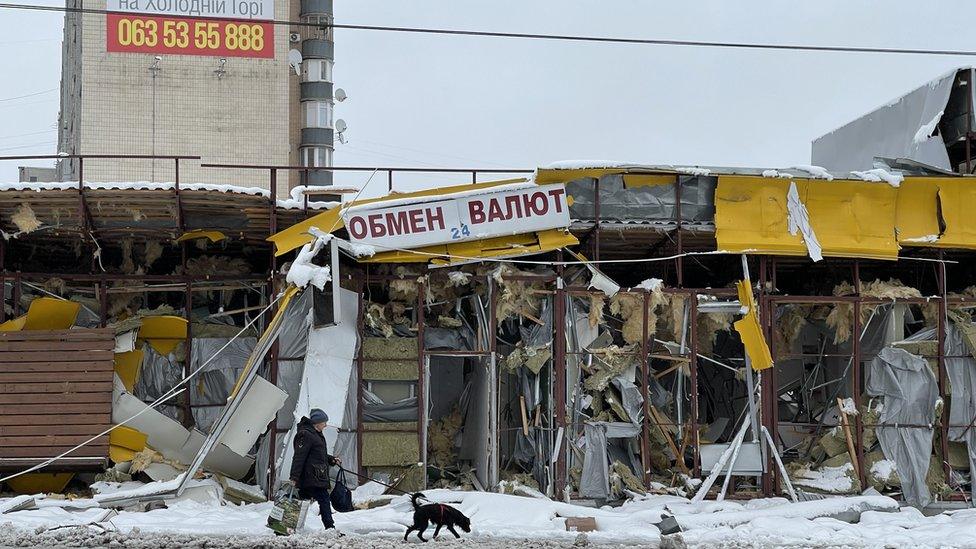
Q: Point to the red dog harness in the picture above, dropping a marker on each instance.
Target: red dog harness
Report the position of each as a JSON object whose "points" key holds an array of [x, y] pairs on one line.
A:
{"points": [[441, 507]]}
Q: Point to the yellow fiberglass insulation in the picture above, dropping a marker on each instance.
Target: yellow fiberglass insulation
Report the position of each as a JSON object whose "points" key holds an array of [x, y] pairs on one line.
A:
{"points": [[518, 297], [25, 219], [709, 325], [841, 317], [596, 309]]}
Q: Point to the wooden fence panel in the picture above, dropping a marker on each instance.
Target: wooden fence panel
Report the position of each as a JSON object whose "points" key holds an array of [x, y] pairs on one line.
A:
{"points": [[55, 392]]}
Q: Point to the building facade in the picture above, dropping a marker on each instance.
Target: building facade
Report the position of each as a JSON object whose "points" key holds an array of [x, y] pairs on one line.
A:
{"points": [[224, 80]]}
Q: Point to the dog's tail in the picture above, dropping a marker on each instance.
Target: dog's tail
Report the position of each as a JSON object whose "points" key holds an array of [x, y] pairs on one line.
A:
{"points": [[414, 498]]}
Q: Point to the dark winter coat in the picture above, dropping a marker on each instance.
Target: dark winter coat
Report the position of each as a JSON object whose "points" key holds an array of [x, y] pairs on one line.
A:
{"points": [[310, 466]]}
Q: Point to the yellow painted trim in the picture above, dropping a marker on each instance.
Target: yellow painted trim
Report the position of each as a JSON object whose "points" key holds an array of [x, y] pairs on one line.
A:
{"points": [[40, 483], [850, 218], [917, 211], [213, 236], [633, 181], [127, 437], [14, 324], [501, 246], [751, 217], [118, 454], [545, 176], [507, 247], [48, 313], [957, 199], [163, 333], [296, 236], [127, 367], [749, 330]]}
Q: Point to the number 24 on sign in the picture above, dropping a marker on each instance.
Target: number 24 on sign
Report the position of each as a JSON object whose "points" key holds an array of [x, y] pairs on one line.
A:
{"points": [[458, 232]]}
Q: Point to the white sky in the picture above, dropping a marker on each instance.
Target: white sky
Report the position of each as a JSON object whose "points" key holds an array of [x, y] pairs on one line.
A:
{"points": [[421, 100]]}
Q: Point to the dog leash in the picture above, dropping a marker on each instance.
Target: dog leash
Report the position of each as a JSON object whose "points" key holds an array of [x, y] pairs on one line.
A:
{"points": [[391, 487]]}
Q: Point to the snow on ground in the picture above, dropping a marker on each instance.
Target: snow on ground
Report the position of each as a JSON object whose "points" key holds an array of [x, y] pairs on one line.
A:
{"points": [[907, 528], [506, 521], [493, 517]]}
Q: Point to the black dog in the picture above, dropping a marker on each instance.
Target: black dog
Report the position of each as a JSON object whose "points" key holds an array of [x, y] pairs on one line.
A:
{"points": [[439, 514]]}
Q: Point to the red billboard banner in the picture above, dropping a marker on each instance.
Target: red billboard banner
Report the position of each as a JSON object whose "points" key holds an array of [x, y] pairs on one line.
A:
{"points": [[181, 36]]}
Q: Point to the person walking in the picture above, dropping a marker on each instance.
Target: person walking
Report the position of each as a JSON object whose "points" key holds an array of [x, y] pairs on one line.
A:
{"points": [[311, 462]]}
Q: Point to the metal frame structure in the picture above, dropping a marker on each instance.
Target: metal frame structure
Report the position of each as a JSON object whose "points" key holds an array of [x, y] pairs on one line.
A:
{"points": [[591, 239]]}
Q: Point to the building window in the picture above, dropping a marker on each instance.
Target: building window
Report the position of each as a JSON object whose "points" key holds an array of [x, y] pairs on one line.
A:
{"points": [[316, 156], [318, 114], [317, 70]]}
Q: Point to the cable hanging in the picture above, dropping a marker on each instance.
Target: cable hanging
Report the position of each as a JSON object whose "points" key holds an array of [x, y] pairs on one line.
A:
{"points": [[555, 37]]}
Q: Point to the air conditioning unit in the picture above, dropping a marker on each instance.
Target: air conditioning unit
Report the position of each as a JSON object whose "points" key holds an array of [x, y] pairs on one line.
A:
{"points": [[295, 37]]}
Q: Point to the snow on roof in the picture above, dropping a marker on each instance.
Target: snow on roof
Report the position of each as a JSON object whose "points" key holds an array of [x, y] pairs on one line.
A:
{"points": [[295, 201], [795, 172]]}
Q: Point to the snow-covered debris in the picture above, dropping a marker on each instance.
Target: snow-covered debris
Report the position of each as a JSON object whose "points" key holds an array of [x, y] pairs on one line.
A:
{"points": [[692, 170], [651, 284], [832, 480], [17, 503], [368, 492], [907, 527], [303, 272], [815, 171], [926, 130], [880, 174], [50, 517], [360, 250], [884, 469], [296, 199], [141, 490], [804, 509]]}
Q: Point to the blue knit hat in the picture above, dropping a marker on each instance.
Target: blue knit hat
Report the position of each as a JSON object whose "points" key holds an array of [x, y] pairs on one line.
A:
{"points": [[318, 416]]}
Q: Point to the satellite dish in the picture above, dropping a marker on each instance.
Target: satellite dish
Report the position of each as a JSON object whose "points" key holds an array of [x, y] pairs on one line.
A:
{"points": [[340, 95], [340, 125], [295, 60]]}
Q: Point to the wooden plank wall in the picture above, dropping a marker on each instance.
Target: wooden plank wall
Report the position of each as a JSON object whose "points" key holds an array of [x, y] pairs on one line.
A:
{"points": [[55, 392]]}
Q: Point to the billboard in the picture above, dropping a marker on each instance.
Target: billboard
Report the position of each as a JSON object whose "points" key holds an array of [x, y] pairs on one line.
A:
{"points": [[444, 220], [218, 28]]}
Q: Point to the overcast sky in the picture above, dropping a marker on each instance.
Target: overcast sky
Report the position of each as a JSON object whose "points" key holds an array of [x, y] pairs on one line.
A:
{"points": [[423, 100]]}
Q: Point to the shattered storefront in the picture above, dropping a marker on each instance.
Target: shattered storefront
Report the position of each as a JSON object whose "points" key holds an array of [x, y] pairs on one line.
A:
{"points": [[545, 371], [645, 329]]}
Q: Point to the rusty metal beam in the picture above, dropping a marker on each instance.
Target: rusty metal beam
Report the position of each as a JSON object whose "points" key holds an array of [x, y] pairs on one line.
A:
{"points": [[693, 388], [422, 376], [645, 390], [559, 365]]}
